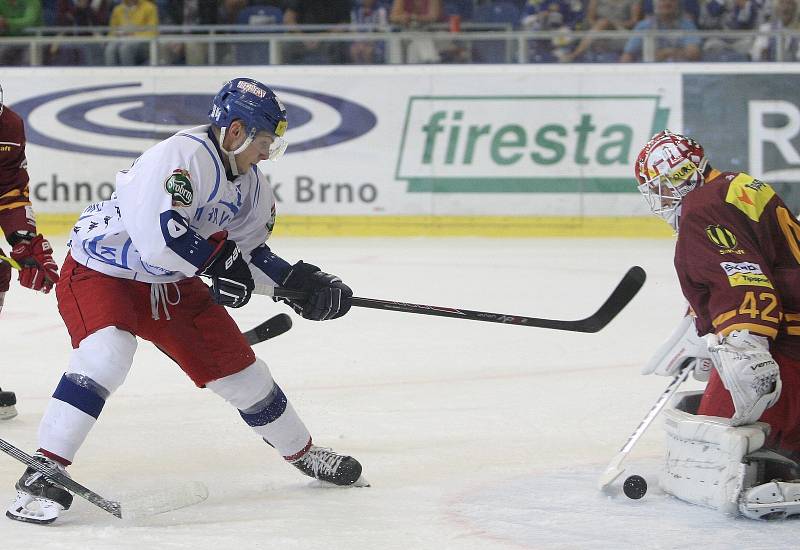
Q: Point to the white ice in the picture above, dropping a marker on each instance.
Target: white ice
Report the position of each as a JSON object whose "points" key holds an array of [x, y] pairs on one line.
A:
{"points": [[473, 435]]}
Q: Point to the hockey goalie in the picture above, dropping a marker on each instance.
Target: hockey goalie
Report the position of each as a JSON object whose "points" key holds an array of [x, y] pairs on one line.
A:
{"points": [[733, 446]]}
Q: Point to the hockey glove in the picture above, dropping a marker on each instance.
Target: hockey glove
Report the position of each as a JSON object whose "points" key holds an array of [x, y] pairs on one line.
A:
{"points": [[35, 257], [5, 273], [231, 279], [683, 343], [748, 372], [328, 296]]}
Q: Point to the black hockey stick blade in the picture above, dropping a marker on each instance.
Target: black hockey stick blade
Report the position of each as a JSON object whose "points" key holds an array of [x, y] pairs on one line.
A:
{"points": [[111, 506], [627, 288], [272, 327]]}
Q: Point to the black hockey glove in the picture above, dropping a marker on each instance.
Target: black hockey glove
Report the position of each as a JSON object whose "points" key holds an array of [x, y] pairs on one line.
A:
{"points": [[231, 280], [328, 296]]}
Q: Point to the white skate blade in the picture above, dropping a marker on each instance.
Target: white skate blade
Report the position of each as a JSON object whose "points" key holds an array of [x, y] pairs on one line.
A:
{"points": [[164, 500], [30, 509], [7, 413], [360, 482]]}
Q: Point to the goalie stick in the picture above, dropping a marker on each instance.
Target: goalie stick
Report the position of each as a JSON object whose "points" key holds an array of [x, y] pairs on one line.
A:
{"points": [[619, 298], [153, 503], [614, 468]]}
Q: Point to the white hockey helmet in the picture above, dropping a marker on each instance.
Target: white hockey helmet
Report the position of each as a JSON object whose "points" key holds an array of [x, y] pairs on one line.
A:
{"points": [[667, 168]]}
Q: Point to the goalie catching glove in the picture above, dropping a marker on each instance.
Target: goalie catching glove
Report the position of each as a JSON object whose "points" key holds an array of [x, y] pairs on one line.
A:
{"points": [[748, 372], [327, 296], [683, 344], [231, 280]]}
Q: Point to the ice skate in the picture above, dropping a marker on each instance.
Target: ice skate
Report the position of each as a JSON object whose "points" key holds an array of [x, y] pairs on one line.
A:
{"points": [[7, 402], [39, 500], [329, 467], [773, 500]]}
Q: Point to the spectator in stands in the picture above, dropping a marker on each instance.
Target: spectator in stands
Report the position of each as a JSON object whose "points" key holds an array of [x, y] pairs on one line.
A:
{"points": [[316, 12], [15, 17], [606, 15], [368, 12], [725, 15], [77, 14], [667, 15], [784, 17], [690, 8], [188, 12], [415, 15], [550, 15], [127, 18]]}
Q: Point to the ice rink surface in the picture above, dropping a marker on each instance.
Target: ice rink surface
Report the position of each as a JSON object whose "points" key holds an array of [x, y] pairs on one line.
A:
{"points": [[473, 435]]}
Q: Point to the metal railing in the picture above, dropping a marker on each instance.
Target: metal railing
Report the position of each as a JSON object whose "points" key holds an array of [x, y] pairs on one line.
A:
{"points": [[515, 46]]}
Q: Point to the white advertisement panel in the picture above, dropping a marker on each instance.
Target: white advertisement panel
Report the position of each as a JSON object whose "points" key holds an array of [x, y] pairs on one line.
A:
{"points": [[432, 140]]}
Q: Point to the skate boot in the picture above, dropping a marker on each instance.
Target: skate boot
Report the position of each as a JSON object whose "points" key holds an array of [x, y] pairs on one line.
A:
{"points": [[7, 402], [325, 465], [39, 500]]}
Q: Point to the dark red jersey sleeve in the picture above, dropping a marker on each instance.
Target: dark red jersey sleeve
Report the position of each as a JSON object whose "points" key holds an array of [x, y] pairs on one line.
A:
{"points": [[15, 206], [734, 261]]}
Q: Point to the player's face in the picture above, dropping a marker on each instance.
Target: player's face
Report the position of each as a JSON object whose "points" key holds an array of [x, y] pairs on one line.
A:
{"points": [[257, 151]]}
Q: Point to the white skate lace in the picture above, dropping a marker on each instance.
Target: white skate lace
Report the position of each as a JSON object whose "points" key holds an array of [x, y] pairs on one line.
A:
{"points": [[160, 295], [321, 459]]}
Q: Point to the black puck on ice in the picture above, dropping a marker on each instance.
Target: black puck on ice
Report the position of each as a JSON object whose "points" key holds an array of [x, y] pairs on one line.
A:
{"points": [[634, 487]]}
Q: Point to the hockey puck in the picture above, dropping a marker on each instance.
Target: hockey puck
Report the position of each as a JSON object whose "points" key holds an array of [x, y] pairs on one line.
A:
{"points": [[634, 487]]}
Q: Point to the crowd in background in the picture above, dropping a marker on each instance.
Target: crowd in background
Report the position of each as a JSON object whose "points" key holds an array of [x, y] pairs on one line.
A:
{"points": [[143, 18]]}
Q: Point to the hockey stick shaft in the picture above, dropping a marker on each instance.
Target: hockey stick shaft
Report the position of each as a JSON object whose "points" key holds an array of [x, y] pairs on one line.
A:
{"points": [[619, 298], [10, 261], [614, 468], [110, 506]]}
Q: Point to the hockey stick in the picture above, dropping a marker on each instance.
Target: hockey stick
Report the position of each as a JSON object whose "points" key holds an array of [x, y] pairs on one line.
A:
{"points": [[272, 327], [619, 298], [614, 468], [10, 261], [150, 504]]}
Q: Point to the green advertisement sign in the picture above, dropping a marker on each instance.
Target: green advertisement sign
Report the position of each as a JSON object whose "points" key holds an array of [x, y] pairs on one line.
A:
{"points": [[525, 144]]}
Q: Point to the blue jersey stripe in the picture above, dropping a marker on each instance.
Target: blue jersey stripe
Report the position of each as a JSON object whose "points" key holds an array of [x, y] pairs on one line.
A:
{"points": [[213, 159]]}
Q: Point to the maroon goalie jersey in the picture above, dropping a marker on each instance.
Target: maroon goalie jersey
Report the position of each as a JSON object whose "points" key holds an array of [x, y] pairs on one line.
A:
{"points": [[738, 260], [15, 211]]}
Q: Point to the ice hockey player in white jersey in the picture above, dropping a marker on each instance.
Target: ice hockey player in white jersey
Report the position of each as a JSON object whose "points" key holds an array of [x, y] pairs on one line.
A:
{"points": [[194, 205]]}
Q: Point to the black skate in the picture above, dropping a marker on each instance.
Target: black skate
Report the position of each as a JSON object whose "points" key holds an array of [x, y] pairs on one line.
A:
{"points": [[7, 402], [39, 500], [325, 465]]}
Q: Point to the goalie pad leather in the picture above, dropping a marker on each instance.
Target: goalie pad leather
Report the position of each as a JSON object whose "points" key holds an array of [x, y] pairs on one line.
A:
{"points": [[704, 457]]}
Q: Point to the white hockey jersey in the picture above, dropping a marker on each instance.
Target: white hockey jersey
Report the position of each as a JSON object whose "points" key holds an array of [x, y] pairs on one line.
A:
{"points": [[155, 227]]}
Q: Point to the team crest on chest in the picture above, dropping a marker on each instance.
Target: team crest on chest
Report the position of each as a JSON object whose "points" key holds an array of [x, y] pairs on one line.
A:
{"points": [[179, 186]]}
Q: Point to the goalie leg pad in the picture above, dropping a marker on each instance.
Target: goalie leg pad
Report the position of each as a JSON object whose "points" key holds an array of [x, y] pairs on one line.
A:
{"points": [[704, 462]]}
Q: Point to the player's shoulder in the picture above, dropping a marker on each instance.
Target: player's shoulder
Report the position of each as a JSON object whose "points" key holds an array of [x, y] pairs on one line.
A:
{"points": [[10, 120]]}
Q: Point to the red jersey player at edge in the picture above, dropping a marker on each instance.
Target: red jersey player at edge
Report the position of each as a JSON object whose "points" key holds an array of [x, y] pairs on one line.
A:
{"points": [[193, 204], [737, 258], [30, 250]]}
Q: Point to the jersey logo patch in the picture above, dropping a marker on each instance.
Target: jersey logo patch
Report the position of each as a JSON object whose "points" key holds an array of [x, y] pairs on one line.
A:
{"points": [[749, 195], [179, 186], [724, 238], [745, 274]]}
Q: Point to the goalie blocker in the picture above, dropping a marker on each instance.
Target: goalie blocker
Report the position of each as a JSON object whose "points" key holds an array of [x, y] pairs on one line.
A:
{"points": [[712, 463]]}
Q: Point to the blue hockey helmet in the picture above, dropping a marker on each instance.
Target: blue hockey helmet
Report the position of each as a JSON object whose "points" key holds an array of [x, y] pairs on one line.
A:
{"points": [[256, 106]]}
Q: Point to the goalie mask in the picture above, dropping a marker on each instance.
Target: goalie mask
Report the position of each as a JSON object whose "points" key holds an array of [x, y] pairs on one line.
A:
{"points": [[667, 168], [257, 107]]}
